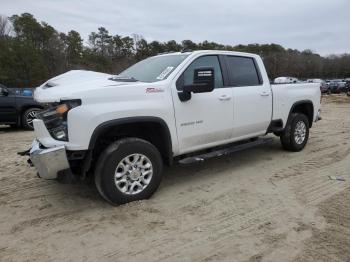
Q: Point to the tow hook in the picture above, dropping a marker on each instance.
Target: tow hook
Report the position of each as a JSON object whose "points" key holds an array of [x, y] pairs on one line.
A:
{"points": [[24, 153]]}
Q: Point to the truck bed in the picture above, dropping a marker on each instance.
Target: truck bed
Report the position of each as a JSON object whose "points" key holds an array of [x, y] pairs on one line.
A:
{"points": [[286, 95]]}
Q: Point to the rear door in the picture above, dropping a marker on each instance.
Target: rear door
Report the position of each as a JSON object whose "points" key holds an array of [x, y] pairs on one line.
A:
{"points": [[8, 112], [252, 97], [206, 119]]}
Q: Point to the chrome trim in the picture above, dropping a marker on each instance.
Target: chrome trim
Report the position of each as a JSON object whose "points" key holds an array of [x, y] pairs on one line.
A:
{"points": [[48, 161], [300, 132], [133, 174]]}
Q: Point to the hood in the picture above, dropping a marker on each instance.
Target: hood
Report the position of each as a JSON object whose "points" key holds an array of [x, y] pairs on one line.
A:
{"points": [[72, 84]]}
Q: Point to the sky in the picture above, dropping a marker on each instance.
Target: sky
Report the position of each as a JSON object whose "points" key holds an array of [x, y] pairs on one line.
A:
{"points": [[320, 25]]}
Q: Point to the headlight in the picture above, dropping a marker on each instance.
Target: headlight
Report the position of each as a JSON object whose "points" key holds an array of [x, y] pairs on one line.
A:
{"points": [[55, 118]]}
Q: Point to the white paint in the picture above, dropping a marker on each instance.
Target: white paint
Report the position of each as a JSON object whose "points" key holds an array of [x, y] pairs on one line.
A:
{"points": [[208, 119]]}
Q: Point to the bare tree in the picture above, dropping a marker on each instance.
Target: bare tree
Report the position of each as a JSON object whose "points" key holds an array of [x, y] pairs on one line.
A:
{"points": [[5, 27]]}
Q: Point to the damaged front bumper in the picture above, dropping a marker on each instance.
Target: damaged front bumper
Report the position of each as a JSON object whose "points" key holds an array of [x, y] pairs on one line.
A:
{"points": [[49, 161]]}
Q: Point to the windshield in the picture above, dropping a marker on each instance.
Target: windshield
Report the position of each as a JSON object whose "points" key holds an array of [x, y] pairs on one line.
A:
{"points": [[152, 69]]}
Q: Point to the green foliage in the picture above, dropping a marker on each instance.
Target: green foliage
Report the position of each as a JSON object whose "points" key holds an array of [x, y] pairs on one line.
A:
{"points": [[35, 52], [172, 46], [73, 45], [32, 55], [20, 64], [189, 45]]}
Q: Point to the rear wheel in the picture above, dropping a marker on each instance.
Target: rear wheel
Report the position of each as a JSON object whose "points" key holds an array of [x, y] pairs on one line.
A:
{"points": [[128, 170], [296, 133], [28, 116]]}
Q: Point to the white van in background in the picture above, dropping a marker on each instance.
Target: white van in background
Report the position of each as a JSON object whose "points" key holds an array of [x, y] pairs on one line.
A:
{"points": [[285, 80]]}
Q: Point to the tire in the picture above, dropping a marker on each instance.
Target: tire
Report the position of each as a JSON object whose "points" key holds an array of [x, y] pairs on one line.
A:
{"points": [[28, 117], [289, 139], [120, 189]]}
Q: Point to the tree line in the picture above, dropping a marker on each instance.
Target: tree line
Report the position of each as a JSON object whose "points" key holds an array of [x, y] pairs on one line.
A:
{"points": [[32, 52]]}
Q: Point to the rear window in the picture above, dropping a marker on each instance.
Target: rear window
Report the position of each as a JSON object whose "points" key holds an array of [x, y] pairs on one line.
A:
{"points": [[242, 71]]}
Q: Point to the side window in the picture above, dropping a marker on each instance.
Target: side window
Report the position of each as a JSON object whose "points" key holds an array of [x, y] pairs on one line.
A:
{"points": [[242, 71], [203, 61]]}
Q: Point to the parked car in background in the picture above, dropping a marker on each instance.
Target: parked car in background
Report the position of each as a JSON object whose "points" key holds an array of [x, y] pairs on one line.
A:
{"points": [[347, 85], [334, 87], [285, 80], [315, 80], [341, 84], [324, 88], [17, 107], [323, 85]]}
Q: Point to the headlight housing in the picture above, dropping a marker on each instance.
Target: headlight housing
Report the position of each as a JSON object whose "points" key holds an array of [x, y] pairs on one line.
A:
{"points": [[55, 118]]}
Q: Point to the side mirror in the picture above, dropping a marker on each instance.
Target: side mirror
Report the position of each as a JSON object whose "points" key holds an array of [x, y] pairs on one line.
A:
{"points": [[203, 81], [4, 91]]}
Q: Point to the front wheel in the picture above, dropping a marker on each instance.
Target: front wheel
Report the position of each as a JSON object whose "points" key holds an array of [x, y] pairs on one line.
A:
{"points": [[296, 133], [129, 169]]}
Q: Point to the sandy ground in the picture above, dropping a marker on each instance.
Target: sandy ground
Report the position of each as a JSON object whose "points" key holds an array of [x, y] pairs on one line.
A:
{"points": [[263, 204]]}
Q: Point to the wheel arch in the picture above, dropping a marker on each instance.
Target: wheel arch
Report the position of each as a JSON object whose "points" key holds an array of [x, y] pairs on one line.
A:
{"points": [[305, 107], [26, 107], [152, 129]]}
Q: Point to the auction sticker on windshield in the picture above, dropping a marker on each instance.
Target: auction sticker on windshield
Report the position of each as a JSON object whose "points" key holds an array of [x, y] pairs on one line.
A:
{"points": [[165, 73]]}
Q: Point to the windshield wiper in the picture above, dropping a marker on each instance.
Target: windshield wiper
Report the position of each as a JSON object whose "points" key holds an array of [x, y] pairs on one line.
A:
{"points": [[124, 78]]}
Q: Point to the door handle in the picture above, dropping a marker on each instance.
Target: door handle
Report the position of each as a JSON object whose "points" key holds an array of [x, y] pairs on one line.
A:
{"points": [[264, 93], [224, 97]]}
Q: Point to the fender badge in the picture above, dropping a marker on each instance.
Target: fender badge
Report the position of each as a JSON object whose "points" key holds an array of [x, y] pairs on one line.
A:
{"points": [[154, 90]]}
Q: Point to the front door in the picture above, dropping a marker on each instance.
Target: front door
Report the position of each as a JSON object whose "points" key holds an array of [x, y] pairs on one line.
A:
{"points": [[207, 118]]}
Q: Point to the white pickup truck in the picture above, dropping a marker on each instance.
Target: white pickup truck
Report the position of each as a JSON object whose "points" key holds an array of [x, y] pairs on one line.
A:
{"points": [[122, 129]]}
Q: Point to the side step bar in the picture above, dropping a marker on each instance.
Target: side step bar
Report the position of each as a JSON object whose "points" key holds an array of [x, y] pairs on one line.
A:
{"points": [[225, 151]]}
